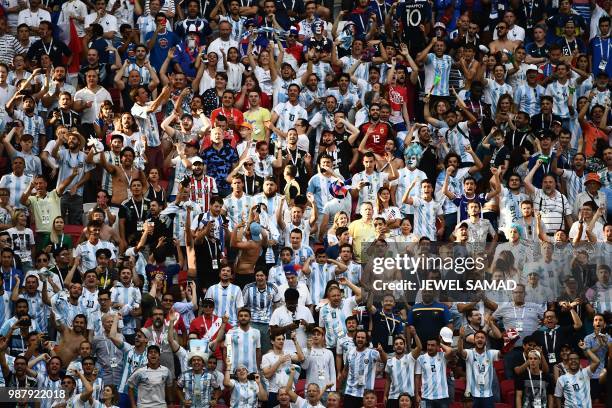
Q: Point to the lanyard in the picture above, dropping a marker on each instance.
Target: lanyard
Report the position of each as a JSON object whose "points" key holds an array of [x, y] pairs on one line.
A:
{"points": [[514, 145], [607, 48], [138, 214], [58, 244], [252, 185], [69, 115], [129, 179], [554, 336], [528, 15], [523, 315], [47, 51], [391, 330], [161, 193], [549, 122], [382, 12], [210, 250], [539, 396], [108, 349], [479, 108], [160, 338], [294, 162]]}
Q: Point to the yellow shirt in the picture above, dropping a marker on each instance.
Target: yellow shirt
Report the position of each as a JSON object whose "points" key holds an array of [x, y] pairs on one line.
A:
{"points": [[361, 232], [257, 119], [45, 210]]}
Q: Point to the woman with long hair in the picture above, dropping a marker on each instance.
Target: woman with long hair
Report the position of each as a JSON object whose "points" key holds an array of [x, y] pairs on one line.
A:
{"points": [[341, 219], [22, 239], [207, 72], [56, 238], [104, 124], [505, 111], [385, 208], [264, 68], [244, 392], [250, 83], [110, 397], [233, 67], [155, 190]]}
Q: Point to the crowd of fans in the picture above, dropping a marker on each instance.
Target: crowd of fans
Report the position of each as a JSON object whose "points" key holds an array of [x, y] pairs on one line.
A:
{"points": [[194, 195]]}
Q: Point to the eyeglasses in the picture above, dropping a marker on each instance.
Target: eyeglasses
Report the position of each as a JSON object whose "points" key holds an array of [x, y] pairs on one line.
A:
{"points": [[42, 260]]}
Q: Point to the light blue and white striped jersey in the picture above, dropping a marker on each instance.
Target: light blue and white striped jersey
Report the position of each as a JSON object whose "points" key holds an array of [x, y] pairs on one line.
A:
{"points": [[455, 185], [66, 162], [147, 123], [480, 372], [37, 309], [130, 298], [198, 388], [307, 97], [353, 274], [180, 172], [300, 255], [87, 251], [527, 99], [46, 383], [361, 371], [32, 125], [131, 362], [5, 306], [145, 76], [437, 67], [237, 208], [318, 278], [405, 179], [561, 95], [98, 387], [89, 303], [276, 276], [401, 372], [271, 203], [64, 311], [227, 299], [288, 114], [368, 193], [600, 97], [584, 88], [260, 301], [333, 319], [320, 69], [16, 187], [425, 214], [575, 389], [510, 207], [433, 372], [244, 395], [457, 138], [33, 164], [576, 130], [574, 184], [493, 91], [304, 226], [244, 347], [107, 179], [318, 185], [591, 342], [178, 215]]}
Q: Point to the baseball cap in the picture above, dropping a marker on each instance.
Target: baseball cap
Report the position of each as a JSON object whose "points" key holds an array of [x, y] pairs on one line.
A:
{"points": [[446, 334], [440, 24], [208, 301], [592, 177], [246, 125], [255, 229], [196, 159]]}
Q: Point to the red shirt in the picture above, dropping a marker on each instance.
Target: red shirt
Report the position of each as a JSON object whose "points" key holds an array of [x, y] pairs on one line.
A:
{"points": [[179, 326], [200, 325], [377, 140], [233, 113]]}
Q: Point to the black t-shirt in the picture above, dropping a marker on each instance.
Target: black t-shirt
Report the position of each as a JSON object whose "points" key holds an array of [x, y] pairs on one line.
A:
{"points": [[56, 50], [539, 386], [135, 213], [205, 253], [500, 156], [551, 342], [342, 157], [68, 118], [384, 325]]}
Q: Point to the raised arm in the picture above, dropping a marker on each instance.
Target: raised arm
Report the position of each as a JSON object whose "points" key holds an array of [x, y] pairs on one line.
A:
{"points": [[529, 187]]}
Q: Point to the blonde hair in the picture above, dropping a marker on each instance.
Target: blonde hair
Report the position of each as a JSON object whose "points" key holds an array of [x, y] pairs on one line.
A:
{"points": [[15, 216]]}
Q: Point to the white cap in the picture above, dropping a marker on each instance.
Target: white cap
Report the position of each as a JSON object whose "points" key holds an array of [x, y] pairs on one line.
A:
{"points": [[533, 67], [446, 334]]}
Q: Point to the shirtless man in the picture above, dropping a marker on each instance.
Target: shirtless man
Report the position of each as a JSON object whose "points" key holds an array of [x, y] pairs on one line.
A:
{"points": [[71, 339], [502, 43], [123, 175], [250, 248]]}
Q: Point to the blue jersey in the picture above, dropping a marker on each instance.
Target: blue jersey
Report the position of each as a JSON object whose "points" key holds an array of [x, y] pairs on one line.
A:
{"points": [[318, 278], [197, 388], [244, 394], [244, 347], [437, 72], [260, 301], [575, 388], [561, 95], [433, 376]]}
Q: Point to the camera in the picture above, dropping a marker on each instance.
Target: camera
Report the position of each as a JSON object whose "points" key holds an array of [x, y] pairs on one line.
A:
{"points": [[186, 181], [251, 377], [25, 322]]}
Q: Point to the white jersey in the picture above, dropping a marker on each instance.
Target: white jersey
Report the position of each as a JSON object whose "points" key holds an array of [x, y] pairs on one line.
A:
{"points": [[87, 251], [493, 91], [320, 367], [510, 207], [437, 73], [244, 347], [368, 192], [288, 115], [333, 319]]}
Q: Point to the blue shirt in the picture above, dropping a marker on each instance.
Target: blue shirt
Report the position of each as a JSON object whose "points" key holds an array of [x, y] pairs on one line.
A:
{"points": [[163, 43], [219, 164]]}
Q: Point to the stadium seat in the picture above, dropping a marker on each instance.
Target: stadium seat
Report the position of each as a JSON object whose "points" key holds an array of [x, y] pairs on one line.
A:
{"points": [[74, 231], [502, 405], [510, 397], [499, 369], [506, 387], [456, 404], [300, 387], [379, 384]]}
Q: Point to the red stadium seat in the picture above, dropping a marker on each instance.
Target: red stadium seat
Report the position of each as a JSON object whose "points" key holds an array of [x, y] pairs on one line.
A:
{"points": [[499, 369], [510, 397], [506, 386], [456, 405], [300, 387], [379, 384], [74, 231], [502, 405]]}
